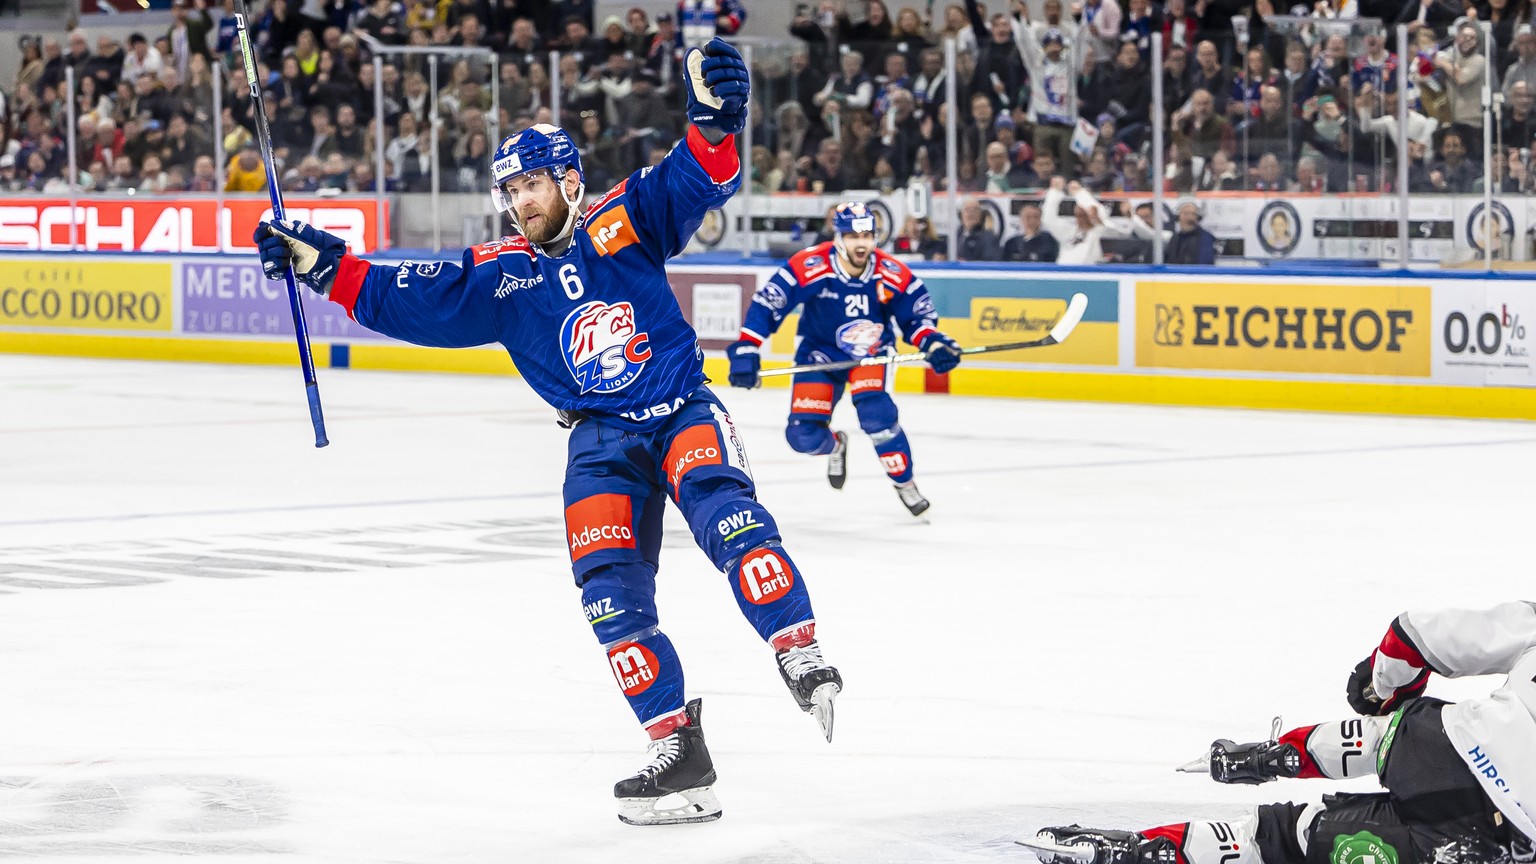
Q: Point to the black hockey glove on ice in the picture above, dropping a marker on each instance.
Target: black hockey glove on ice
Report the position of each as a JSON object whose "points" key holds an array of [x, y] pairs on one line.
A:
{"points": [[1362, 696]]}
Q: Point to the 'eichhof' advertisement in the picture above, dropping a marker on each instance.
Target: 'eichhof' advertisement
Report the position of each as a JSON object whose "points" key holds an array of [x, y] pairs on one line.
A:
{"points": [[1339, 329]]}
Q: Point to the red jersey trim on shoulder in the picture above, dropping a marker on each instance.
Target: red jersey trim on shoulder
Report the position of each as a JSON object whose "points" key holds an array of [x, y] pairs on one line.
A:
{"points": [[892, 271], [490, 251], [719, 161], [607, 196], [811, 264], [349, 282]]}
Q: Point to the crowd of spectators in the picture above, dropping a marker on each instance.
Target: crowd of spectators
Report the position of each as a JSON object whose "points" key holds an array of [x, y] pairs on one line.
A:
{"points": [[145, 111], [1050, 92]]}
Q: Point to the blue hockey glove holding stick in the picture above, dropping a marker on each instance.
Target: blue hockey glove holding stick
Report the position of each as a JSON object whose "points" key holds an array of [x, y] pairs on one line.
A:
{"points": [[943, 352], [718, 87], [313, 254], [746, 362]]}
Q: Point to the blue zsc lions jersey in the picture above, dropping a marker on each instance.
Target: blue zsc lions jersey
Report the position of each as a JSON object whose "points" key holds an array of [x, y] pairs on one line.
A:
{"points": [[596, 329], [845, 316]]}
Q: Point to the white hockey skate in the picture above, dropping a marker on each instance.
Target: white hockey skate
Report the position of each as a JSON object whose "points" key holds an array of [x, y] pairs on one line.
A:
{"points": [[812, 682], [917, 505], [1072, 844], [676, 787], [837, 461]]}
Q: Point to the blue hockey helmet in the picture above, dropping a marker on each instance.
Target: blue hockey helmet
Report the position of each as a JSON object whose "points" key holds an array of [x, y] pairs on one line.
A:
{"points": [[853, 218], [541, 146]]}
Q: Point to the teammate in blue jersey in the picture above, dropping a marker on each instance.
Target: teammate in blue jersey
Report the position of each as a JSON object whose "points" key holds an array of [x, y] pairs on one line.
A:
{"points": [[852, 294], [582, 304]]}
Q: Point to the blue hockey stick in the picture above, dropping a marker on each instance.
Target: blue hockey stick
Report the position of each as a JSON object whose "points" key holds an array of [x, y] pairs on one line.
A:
{"points": [[295, 302]]}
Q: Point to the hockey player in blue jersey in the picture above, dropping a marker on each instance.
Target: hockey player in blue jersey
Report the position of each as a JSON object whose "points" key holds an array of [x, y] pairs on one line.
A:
{"points": [[582, 304], [852, 293]]}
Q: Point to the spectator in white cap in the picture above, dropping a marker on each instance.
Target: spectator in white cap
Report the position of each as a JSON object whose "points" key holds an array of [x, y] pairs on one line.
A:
{"points": [[8, 182], [1190, 244]]}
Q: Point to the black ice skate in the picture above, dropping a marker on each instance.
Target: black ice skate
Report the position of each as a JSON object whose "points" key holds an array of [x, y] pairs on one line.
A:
{"points": [[1077, 845], [837, 461], [680, 767], [916, 503], [811, 681], [1252, 764]]}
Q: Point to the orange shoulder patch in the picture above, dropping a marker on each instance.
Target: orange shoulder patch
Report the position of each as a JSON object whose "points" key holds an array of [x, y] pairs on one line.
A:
{"points": [[612, 231]]}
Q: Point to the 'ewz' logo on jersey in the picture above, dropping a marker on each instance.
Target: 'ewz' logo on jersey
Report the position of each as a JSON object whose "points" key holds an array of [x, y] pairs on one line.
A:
{"points": [[860, 338], [602, 347]]}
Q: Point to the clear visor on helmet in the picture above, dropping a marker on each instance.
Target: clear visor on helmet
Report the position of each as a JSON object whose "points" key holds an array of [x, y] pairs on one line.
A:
{"points": [[499, 194]]}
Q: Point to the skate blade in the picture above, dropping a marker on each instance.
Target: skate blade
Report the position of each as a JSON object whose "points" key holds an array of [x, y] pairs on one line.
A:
{"points": [[682, 808], [1202, 765], [1051, 853], [1196, 766], [822, 699]]}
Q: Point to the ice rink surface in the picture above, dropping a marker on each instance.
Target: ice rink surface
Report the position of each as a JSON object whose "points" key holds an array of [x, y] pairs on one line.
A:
{"points": [[217, 642]]}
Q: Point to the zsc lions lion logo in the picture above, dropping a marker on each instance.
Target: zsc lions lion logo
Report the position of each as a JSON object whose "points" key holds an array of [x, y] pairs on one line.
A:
{"points": [[602, 348], [860, 338]]}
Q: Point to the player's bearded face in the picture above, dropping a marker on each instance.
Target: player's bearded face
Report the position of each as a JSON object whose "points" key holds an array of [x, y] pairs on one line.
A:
{"points": [[541, 209]]}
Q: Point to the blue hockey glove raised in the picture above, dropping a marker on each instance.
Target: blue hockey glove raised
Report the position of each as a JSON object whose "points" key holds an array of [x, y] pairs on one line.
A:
{"points": [[313, 254], [718, 87], [745, 364], [943, 352]]}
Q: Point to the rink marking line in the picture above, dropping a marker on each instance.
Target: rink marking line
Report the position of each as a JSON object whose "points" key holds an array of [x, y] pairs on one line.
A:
{"points": [[295, 508]]}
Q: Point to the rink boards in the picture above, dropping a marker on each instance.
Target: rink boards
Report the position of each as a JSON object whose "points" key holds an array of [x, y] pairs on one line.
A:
{"points": [[1436, 343]]}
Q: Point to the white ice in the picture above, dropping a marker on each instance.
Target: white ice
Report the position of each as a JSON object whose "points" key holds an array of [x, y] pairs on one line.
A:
{"points": [[1100, 592]]}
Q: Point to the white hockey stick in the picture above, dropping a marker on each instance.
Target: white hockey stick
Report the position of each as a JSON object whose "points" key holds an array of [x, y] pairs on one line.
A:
{"points": [[1059, 333]]}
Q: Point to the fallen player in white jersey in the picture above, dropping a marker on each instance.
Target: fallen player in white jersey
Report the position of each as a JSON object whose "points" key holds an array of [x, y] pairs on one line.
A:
{"points": [[1460, 777]]}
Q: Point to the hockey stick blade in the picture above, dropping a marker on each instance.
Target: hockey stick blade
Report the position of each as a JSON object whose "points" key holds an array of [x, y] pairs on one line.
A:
{"points": [[1080, 852], [1070, 319], [1059, 333]]}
